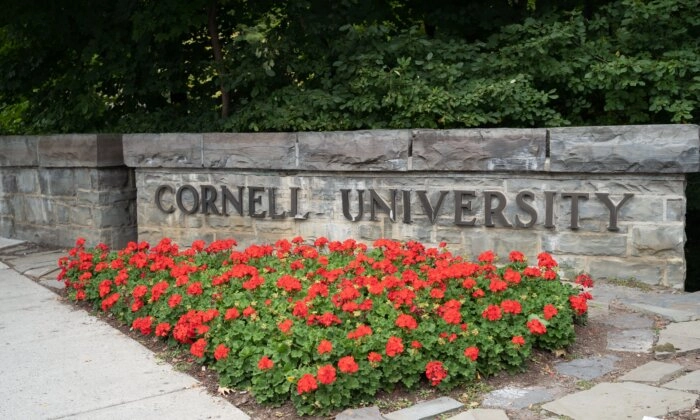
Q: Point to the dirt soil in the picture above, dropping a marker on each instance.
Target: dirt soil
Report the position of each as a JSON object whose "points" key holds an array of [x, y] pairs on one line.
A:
{"points": [[591, 341]]}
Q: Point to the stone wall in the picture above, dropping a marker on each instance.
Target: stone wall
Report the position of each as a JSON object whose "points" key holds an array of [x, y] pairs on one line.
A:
{"points": [[54, 189], [607, 200]]}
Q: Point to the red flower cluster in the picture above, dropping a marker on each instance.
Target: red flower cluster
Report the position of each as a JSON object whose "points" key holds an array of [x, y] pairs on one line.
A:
{"points": [[265, 363], [471, 353], [536, 327], [307, 383], [324, 347], [326, 374], [406, 322], [435, 372], [492, 313], [394, 346], [348, 364]]}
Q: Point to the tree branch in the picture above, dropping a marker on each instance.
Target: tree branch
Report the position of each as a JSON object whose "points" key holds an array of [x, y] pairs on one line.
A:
{"points": [[218, 56]]}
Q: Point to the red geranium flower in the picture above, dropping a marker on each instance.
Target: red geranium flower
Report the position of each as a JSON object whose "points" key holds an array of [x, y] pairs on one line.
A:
{"points": [[289, 283], [536, 327], [347, 364], [545, 260], [265, 363], [221, 352], [406, 321], [361, 331], [579, 304], [511, 307], [143, 324], [174, 300], [435, 372], [374, 357], [162, 329], [105, 287], [516, 256], [471, 353], [497, 285], [326, 374], [487, 257], [307, 383], [549, 311], [324, 346], [109, 301], [195, 289], [285, 325], [231, 313], [511, 276], [584, 280], [492, 313], [197, 348], [532, 272], [416, 344], [394, 346], [139, 291], [518, 340]]}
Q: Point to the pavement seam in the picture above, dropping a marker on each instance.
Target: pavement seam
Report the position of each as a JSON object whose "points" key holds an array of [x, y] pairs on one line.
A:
{"points": [[77, 413]]}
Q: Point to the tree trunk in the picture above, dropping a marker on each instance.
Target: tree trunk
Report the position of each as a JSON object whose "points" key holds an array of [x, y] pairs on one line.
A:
{"points": [[218, 56]]}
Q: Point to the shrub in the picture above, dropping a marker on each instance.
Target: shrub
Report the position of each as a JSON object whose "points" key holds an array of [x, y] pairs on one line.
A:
{"points": [[327, 324]]}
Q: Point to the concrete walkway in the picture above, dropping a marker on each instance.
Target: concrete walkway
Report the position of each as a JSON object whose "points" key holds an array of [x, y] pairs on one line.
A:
{"points": [[59, 362]]}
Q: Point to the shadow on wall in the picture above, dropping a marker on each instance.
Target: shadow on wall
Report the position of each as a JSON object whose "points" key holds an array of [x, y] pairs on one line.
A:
{"points": [[692, 232]]}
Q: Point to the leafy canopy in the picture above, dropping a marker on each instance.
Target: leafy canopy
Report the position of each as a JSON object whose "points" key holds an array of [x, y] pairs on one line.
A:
{"points": [[268, 65]]}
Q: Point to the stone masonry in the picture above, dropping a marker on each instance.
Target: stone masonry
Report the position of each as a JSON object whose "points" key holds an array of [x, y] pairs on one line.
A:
{"points": [[607, 200], [54, 189]]}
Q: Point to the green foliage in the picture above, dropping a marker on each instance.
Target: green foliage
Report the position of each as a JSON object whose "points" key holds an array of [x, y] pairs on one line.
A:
{"points": [[352, 64]]}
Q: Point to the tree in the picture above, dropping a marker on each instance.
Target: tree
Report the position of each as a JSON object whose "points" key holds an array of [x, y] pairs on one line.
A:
{"points": [[208, 65]]}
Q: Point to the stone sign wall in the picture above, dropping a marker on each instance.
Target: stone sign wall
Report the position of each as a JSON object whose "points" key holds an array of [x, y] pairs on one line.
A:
{"points": [[607, 200], [54, 189]]}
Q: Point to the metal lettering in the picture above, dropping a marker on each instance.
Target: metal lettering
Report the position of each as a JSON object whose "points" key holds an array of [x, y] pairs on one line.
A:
{"points": [[345, 194], [549, 209], [460, 206], [407, 207], [295, 205], [228, 197], [428, 207], [253, 200], [613, 208], [490, 213], [272, 205], [195, 198], [159, 197], [378, 202], [208, 200], [527, 208], [574, 207]]}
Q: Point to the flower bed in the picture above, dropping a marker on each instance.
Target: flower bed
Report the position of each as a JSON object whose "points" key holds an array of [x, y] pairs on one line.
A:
{"points": [[328, 324]]}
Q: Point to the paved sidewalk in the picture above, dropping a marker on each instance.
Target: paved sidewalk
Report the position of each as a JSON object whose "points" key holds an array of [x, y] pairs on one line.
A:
{"points": [[59, 362]]}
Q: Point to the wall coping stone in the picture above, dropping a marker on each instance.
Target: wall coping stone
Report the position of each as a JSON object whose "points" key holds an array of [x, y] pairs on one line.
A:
{"points": [[631, 148], [593, 149], [80, 150], [62, 151], [19, 151], [480, 149]]}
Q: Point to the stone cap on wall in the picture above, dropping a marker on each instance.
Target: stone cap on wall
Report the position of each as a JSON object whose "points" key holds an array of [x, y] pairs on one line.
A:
{"points": [[62, 150], [599, 149], [604, 149]]}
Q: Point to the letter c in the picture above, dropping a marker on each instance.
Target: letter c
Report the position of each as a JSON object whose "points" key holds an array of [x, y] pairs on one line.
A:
{"points": [[159, 196]]}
